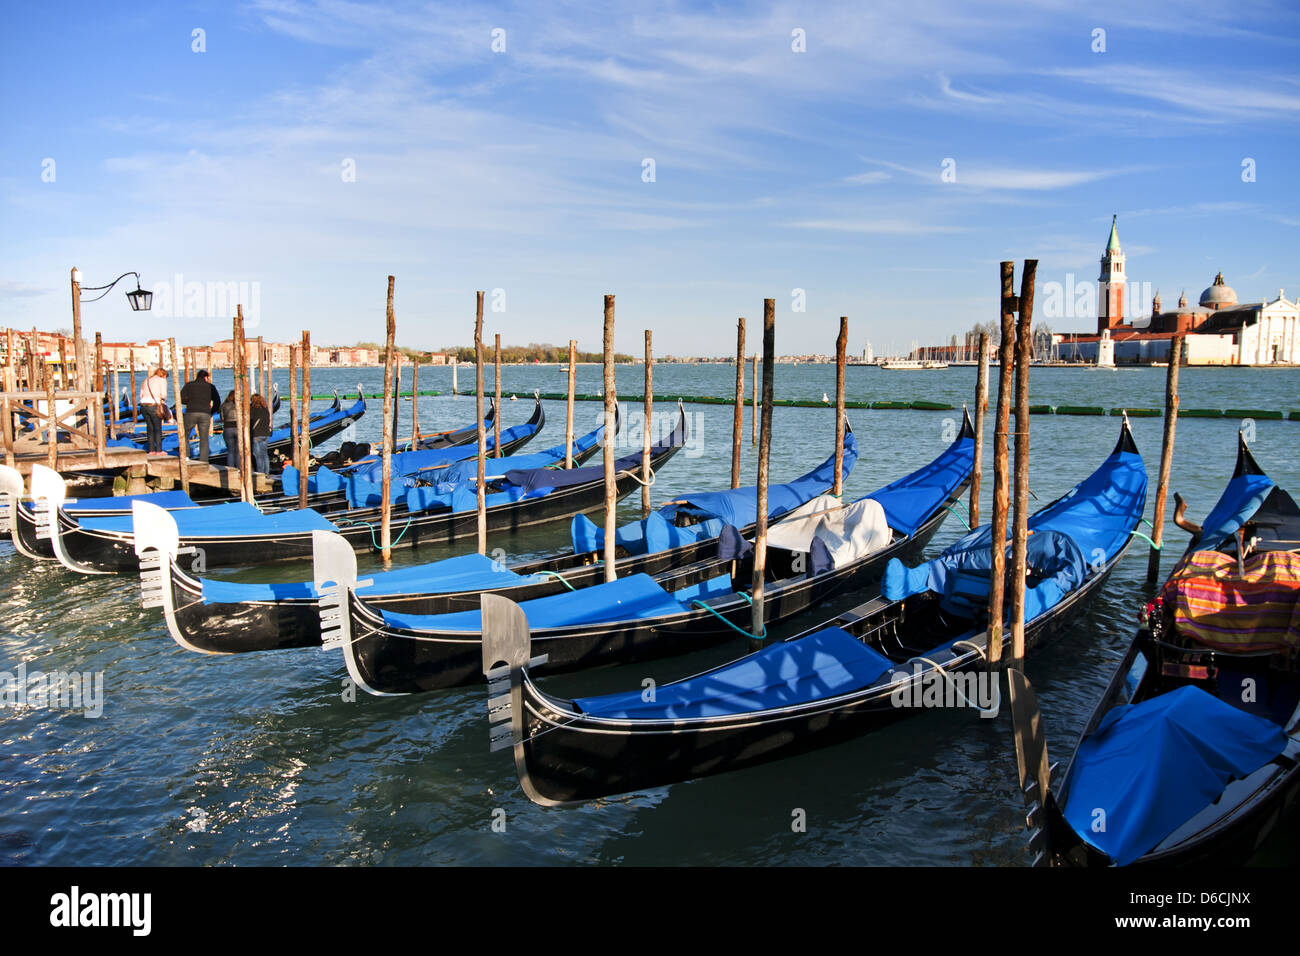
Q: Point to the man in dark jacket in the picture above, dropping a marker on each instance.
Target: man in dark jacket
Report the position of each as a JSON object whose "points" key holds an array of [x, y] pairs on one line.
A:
{"points": [[201, 401]]}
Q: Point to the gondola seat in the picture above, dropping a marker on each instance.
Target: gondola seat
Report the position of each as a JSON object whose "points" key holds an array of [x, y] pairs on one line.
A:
{"points": [[823, 664]]}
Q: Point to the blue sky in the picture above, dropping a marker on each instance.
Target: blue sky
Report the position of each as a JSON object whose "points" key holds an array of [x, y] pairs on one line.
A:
{"points": [[522, 170]]}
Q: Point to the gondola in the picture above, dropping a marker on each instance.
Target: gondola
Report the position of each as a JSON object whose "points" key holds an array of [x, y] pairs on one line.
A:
{"points": [[459, 436], [235, 534], [638, 617], [222, 617], [1192, 755], [276, 530], [863, 669]]}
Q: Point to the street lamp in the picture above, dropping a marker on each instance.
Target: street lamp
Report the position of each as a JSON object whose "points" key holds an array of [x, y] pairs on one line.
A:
{"points": [[141, 301]]}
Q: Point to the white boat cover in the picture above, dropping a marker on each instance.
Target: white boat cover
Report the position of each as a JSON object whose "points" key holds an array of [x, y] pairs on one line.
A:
{"points": [[849, 532]]}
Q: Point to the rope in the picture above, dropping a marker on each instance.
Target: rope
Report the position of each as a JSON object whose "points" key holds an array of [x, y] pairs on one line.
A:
{"points": [[1139, 534], [964, 521], [753, 637], [373, 543], [957, 690], [1148, 524], [559, 577], [648, 484]]}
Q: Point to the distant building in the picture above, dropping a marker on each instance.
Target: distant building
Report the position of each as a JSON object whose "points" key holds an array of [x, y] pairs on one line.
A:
{"points": [[1219, 330]]}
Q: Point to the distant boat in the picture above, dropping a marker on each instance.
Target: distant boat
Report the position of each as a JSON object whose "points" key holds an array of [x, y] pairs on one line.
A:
{"points": [[911, 365]]}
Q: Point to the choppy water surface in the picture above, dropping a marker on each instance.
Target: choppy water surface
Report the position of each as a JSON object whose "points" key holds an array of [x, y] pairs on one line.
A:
{"points": [[260, 759]]}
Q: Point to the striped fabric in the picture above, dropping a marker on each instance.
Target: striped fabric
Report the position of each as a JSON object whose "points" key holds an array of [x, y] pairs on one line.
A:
{"points": [[1217, 608]]}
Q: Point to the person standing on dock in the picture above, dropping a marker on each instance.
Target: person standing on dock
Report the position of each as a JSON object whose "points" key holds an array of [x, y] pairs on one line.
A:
{"points": [[153, 404], [201, 400], [230, 429], [259, 431]]}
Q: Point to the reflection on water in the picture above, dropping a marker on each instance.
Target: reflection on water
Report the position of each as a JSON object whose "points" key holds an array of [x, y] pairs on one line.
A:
{"points": [[267, 759]]}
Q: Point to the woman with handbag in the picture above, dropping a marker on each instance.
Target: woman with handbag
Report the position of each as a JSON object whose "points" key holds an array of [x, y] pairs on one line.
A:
{"points": [[153, 406]]}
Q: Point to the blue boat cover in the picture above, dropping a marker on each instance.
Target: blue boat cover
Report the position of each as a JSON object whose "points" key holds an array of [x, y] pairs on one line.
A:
{"points": [[217, 444], [466, 572], [163, 499], [466, 472], [1095, 520], [632, 598], [1239, 501], [364, 485], [1151, 767], [235, 520], [910, 500], [714, 509], [534, 479], [824, 664]]}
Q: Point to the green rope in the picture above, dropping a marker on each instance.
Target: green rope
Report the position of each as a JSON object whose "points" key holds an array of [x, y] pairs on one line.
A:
{"points": [[1146, 539], [373, 543], [1148, 524], [559, 577], [957, 516], [753, 637]]}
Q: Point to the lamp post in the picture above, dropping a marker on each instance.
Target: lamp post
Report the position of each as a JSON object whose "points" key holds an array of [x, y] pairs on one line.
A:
{"points": [[141, 301]]}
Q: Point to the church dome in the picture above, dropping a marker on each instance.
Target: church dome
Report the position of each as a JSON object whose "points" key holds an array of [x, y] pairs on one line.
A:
{"points": [[1218, 295]]}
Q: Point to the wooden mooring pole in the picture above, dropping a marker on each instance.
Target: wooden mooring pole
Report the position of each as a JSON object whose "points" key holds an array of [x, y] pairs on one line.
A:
{"points": [[981, 409], [415, 403], [293, 414], [738, 414], [1020, 517], [649, 418], [241, 403], [182, 436], [568, 422], [611, 404], [304, 421], [1001, 467], [841, 357], [496, 421], [1166, 457], [390, 431], [757, 630], [753, 419], [481, 488]]}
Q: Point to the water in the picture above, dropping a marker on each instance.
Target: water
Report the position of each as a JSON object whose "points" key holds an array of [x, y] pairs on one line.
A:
{"points": [[260, 759]]}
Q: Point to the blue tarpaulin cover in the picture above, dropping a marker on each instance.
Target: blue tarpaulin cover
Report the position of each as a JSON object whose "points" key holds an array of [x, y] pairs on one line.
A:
{"points": [[1239, 501], [737, 506], [910, 500], [1096, 516], [234, 520], [466, 572], [1151, 767], [632, 598], [824, 664], [163, 499]]}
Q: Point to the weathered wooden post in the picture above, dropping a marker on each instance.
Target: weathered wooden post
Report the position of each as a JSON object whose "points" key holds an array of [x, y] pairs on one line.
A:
{"points": [[757, 630], [1020, 519], [649, 417], [1001, 476], [415, 403], [568, 425], [753, 422], [293, 414], [243, 394], [981, 408], [134, 399], [738, 412], [304, 420], [482, 432], [496, 421], [7, 424], [397, 395], [454, 363], [53, 422], [611, 404], [260, 380], [1166, 457], [79, 346], [182, 434], [841, 357], [390, 433]]}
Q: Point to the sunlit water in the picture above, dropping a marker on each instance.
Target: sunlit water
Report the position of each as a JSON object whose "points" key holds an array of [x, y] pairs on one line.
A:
{"points": [[260, 759]]}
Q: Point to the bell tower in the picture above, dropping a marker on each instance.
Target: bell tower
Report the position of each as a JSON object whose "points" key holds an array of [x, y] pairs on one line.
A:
{"points": [[1110, 284]]}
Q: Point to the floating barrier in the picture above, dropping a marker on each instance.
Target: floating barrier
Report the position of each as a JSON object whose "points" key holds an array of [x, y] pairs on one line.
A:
{"points": [[1252, 413], [926, 406]]}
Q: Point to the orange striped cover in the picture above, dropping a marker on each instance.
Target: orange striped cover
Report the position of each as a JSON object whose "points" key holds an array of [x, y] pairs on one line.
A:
{"points": [[1216, 607]]}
